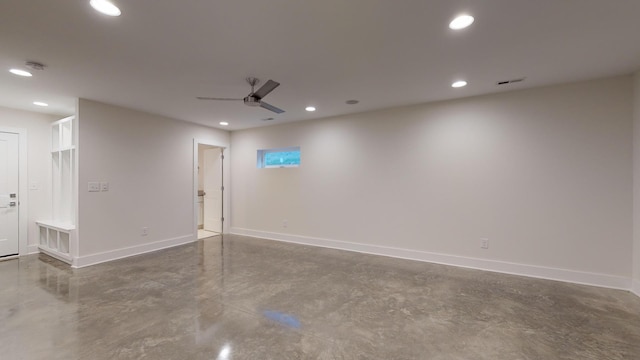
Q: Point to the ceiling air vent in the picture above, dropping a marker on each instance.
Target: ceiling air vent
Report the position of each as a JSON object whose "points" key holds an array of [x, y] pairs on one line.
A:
{"points": [[512, 81]]}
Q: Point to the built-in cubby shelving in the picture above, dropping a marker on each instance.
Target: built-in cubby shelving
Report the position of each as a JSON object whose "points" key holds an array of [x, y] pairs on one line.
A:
{"points": [[55, 239], [57, 236]]}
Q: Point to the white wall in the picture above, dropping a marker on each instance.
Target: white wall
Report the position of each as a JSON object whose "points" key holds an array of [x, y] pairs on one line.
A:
{"points": [[545, 174], [201, 149], [38, 127], [148, 161], [636, 183]]}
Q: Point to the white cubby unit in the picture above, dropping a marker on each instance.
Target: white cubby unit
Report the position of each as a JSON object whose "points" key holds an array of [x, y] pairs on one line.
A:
{"points": [[58, 236]]}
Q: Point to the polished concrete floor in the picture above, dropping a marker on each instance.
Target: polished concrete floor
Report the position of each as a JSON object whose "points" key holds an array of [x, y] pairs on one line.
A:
{"points": [[234, 297]]}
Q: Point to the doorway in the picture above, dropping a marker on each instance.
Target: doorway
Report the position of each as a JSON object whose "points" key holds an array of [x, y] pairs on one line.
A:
{"points": [[9, 190], [210, 190]]}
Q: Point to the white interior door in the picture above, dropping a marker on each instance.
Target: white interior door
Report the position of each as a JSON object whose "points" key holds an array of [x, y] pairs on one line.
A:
{"points": [[9, 152], [212, 187]]}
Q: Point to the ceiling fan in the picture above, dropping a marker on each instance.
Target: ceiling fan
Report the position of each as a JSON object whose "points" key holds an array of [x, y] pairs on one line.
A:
{"points": [[255, 97]]}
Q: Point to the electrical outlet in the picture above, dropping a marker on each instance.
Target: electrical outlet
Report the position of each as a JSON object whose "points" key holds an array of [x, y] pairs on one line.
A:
{"points": [[144, 231], [285, 223], [484, 243], [104, 186], [94, 186]]}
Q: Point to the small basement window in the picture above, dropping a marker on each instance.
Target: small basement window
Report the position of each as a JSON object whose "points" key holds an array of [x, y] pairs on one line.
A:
{"points": [[277, 158]]}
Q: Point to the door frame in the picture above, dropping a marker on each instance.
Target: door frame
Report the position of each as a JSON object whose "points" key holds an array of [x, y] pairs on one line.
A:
{"points": [[226, 213], [23, 223]]}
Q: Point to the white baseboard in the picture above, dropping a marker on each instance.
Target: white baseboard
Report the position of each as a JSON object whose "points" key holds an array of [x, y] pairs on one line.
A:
{"points": [[541, 272], [111, 255], [635, 288], [32, 249], [7, 258]]}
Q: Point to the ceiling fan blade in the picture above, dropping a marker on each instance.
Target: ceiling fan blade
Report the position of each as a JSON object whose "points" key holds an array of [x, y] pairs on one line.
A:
{"points": [[264, 105], [266, 89], [215, 98]]}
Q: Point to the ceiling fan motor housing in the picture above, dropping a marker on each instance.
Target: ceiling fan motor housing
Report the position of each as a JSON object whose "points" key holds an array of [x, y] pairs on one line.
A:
{"points": [[251, 101]]}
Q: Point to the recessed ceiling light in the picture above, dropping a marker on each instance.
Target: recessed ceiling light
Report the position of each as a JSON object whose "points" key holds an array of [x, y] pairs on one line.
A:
{"points": [[459, 84], [40, 103], [461, 22], [20, 72], [224, 123], [106, 7], [310, 108]]}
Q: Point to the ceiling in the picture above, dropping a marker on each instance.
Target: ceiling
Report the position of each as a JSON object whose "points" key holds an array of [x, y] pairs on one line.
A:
{"points": [[159, 55]]}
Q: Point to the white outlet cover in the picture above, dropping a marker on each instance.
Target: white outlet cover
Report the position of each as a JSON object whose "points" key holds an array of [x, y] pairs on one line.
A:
{"points": [[34, 185]]}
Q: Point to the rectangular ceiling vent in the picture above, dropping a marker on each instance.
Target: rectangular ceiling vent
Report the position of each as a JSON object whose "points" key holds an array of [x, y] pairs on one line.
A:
{"points": [[512, 81]]}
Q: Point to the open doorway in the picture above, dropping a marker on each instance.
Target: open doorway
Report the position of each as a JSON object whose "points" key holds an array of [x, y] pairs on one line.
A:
{"points": [[210, 190]]}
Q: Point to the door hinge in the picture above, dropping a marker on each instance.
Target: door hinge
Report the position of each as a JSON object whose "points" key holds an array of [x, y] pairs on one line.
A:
{"points": [[222, 156], [222, 219], [222, 188]]}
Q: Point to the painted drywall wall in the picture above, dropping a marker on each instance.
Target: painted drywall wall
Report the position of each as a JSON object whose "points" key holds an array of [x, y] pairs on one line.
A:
{"points": [[636, 183], [201, 149], [148, 161], [545, 174], [38, 127]]}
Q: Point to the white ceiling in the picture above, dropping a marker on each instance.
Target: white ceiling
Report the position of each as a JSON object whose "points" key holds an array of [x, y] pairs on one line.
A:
{"points": [[160, 54]]}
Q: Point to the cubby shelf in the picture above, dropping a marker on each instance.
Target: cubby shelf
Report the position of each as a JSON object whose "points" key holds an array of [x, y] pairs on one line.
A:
{"points": [[57, 236], [69, 148], [55, 239]]}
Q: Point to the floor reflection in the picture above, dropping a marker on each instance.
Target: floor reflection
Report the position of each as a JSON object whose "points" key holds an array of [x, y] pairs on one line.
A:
{"points": [[232, 297]]}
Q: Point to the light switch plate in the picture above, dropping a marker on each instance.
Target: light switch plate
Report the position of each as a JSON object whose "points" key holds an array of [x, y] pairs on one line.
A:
{"points": [[94, 186], [104, 186]]}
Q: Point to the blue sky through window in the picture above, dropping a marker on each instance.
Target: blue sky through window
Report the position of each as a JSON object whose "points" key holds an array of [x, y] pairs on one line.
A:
{"points": [[284, 158], [279, 157]]}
